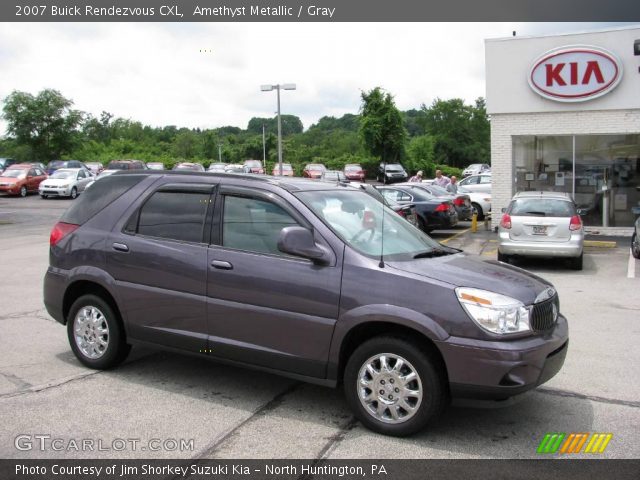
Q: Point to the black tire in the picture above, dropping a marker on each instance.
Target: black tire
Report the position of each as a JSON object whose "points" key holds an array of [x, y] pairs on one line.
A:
{"points": [[504, 258], [576, 263], [422, 225], [635, 246], [425, 364], [23, 191], [478, 210], [74, 193], [116, 350], [43, 196]]}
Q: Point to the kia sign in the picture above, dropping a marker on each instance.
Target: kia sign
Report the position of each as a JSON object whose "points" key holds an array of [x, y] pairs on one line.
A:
{"points": [[575, 74]]}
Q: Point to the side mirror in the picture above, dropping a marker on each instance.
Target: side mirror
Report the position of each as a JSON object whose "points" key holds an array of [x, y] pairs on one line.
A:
{"points": [[299, 241], [582, 211]]}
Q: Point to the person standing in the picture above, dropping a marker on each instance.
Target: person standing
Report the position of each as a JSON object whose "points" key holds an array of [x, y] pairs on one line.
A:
{"points": [[452, 187], [417, 177], [441, 180]]}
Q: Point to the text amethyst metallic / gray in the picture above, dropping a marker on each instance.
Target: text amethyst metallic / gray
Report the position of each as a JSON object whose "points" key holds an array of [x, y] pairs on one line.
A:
{"points": [[315, 281]]}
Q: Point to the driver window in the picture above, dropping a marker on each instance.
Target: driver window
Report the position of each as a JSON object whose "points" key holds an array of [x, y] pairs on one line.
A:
{"points": [[253, 225]]}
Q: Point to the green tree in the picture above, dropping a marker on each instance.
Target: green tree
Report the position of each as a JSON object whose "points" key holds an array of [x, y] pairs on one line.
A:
{"points": [[185, 144], [421, 155], [45, 123], [381, 126]]}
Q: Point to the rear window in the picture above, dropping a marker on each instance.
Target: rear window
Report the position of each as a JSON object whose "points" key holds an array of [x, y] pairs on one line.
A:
{"points": [[542, 207], [99, 196]]}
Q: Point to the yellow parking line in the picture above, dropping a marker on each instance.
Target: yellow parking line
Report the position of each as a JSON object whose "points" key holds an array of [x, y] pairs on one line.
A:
{"points": [[600, 244], [455, 235]]}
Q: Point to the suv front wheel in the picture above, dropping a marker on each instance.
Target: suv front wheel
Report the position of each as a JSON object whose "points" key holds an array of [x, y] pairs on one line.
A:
{"points": [[95, 334], [393, 386]]}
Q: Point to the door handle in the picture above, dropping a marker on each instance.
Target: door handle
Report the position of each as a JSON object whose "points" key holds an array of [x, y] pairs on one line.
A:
{"points": [[222, 265], [121, 247]]}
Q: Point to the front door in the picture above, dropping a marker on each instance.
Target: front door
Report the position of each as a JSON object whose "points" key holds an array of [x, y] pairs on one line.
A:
{"points": [[264, 307]]}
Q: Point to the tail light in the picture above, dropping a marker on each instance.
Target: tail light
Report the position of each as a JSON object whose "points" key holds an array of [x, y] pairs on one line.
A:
{"points": [[368, 220], [575, 223], [443, 207], [402, 212], [61, 230], [459, 201], [506, 221]]}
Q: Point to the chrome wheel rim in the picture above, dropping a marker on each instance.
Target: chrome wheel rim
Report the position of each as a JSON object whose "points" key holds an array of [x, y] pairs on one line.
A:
{"points": [[74, 193], [91, 332], [389, 388], [23, 191]]}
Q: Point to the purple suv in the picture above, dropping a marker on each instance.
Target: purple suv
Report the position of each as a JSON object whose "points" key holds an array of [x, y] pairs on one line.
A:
{"points": [[317, 281]]}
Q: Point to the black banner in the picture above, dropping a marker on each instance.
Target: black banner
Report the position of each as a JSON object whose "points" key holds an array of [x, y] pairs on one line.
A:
{"points": [[318, 10], [567, 469]]}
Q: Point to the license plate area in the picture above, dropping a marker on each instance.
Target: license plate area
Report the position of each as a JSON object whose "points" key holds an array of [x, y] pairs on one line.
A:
{"points": [[539, 229]]}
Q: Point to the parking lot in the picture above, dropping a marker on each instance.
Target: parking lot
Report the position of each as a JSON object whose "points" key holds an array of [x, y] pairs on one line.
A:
{"points": [[230, 412]]}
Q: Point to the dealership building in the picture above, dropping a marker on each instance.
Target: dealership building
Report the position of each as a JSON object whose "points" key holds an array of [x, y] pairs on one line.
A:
{"points": [[565, 116]]}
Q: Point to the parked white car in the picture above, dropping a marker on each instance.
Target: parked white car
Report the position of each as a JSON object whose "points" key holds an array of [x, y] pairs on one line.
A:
{"points": [[104, 173], [477, 183], [481, 201], [65, 182], [476, 169]]}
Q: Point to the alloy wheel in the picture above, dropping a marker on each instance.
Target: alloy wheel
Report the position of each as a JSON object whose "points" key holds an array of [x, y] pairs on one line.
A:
{"points": [[91, 332]]}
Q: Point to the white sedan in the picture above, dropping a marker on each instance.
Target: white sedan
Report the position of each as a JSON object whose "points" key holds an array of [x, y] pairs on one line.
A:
{"points": [[481, 201], [65, 182]]}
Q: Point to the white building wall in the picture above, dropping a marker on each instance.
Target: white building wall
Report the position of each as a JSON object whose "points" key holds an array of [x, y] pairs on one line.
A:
{"points": [[504, 126]]}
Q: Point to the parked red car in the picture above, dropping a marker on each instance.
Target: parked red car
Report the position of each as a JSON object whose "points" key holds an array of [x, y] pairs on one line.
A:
{"points": [[20, 179], [314, 170], [253, 166], [353, 171], [287, 170]]}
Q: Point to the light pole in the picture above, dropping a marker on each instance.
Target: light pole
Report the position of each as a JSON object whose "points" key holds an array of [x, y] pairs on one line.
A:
{"points": [[220, 153], [264, 150], [268, 88]]}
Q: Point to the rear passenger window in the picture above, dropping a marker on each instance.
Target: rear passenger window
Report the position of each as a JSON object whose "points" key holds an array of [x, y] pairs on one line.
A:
{"points": [[174, 215], [253, 225]]}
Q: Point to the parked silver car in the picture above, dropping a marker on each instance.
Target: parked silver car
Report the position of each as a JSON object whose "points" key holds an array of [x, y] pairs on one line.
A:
{"points": [[65, 182], [541, 224]]}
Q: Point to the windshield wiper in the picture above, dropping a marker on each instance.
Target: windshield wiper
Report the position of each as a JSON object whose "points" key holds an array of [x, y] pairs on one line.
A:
{"points": [[434, 252]]}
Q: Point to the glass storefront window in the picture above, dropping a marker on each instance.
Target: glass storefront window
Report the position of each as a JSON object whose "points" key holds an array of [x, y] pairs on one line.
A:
{"points": [[601, 172]]}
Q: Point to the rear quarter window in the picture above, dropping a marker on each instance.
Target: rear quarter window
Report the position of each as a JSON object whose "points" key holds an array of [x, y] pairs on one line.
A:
{"points": [[99, 196]]}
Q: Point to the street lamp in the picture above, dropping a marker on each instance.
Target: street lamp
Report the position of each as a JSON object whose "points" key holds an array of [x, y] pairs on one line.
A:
{"points": [[268, 88], [220, 152]]}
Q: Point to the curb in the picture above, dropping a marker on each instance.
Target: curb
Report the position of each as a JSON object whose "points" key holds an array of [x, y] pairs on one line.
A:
{"points": [[600, 244]]}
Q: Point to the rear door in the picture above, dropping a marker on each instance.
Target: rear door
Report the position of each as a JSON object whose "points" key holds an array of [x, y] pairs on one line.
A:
{"points": [[264, 307], [159, 260]]}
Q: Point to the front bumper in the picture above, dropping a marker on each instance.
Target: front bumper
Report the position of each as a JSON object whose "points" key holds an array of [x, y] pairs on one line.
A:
{"points": [[10, 189], [55, 191], [571, 248], [497, 370]]}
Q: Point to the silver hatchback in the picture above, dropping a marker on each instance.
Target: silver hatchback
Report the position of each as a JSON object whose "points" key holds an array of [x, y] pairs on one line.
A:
{"points": [[541, 224]]}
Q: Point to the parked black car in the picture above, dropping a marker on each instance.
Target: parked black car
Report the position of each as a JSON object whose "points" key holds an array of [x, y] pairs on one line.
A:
{"points": [[391, 173], [433, 213], [461, 201], [6, 162], [320, 282]]}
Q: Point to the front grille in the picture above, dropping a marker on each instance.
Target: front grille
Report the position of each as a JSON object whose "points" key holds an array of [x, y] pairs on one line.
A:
{"points": [[545, 314]]}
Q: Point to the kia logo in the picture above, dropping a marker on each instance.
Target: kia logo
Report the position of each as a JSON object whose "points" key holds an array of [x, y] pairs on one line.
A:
{"points": [[575, 74]]}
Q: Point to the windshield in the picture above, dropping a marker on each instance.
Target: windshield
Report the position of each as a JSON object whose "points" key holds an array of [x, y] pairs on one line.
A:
{"points": [[315, 167], [63, 174], [15, 173], [356, 217], [253, 164], [118, 166], [438, 191], [352, 168], [393, 167]]}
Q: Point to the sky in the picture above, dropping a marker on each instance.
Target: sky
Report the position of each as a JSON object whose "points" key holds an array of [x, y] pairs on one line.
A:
{"points": [[208, 75]]}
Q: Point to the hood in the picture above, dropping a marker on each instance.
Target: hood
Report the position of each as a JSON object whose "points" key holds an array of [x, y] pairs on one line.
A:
{"points": [[57, 181], [462, 270]]}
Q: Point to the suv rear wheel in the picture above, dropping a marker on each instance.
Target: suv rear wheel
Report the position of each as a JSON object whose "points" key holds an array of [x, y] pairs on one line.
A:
{"points": [[393, 386], [95, 334]]}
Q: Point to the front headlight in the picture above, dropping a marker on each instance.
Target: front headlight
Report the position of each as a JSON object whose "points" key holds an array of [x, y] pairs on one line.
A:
{"points": [[494, 312]]}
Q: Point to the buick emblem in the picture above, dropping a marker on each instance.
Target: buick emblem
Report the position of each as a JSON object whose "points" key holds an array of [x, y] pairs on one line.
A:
{"points": [[545, 295]]}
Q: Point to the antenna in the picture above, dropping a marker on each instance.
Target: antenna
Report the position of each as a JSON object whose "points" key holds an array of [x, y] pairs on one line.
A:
{"points": [[384, 182]]}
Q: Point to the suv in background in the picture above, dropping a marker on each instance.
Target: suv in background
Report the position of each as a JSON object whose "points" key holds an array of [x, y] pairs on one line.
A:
{"points": [[254, 166], [54, 165], [476, 169], [391, 173], [541, 224], [477, 183], [168, 258]]}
